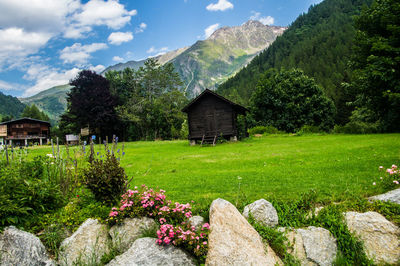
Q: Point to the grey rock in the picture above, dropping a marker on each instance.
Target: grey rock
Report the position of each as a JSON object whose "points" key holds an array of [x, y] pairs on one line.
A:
{"points": [[319, 245], [86, 246], [124, 234], [233, 241], [18, 247], [311, 245], [392, 196], [263, 212], [380, 237], [145, 252], [196, 221]]}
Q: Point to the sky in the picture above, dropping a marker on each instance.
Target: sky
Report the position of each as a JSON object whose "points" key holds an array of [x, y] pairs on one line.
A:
{"points": [[45, 43]]}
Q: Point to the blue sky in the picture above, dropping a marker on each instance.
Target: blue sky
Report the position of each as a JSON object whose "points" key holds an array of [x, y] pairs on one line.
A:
{"points": [[45, 43]]}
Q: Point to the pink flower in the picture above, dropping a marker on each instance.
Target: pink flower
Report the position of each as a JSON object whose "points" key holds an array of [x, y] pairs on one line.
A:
{"points": [[380, 167], [207, 226], [396, 182], [162, 220], [197, 247], [394, 166], [374, 184], [167, 240], [113, 213], [205, 243]]}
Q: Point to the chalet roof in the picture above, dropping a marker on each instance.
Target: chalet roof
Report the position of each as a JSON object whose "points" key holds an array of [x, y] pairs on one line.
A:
{"points": [[25, 118], [238, 107]]}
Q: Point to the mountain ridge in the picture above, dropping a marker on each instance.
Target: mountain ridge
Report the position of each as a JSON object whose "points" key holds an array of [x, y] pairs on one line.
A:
{"points": [[205, 64]]}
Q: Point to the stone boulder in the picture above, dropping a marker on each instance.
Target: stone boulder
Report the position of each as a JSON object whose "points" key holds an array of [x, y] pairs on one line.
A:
{"points": [[233, 241], [18, 247], [263, 212], [392, 196], [124, 234], [145, 252], [312, 245], [196, 221], [86, 246], [380, 237]]}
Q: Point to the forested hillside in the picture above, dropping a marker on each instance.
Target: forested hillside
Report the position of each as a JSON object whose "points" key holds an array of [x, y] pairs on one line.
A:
{"points": [[10, 106], [319, 42], [52, 101]]}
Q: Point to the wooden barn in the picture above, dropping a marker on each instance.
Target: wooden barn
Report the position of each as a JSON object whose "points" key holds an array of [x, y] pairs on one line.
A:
{"points": [[20, 131], [211, 116]]}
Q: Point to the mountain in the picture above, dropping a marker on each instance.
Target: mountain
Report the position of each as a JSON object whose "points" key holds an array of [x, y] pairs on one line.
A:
{"points": [[52, 101], [162, 59], [10, 106], [319, 42], [203, 65], [208, 63]]}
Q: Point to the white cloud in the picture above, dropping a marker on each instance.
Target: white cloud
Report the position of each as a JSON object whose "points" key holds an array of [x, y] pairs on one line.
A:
{"points": [[117, 59], [222, 5], [48, 77], [97, 68], [119, 37], [210, 30], [80, 54], [26, 26], [4, 85], [16, 43], [98, 13], [141, 27], [267, 20], [159, 51], [36, 16]]}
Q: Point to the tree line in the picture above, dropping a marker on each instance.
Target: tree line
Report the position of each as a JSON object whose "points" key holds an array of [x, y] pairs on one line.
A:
{"points": [[362, 81], [134, 104]]}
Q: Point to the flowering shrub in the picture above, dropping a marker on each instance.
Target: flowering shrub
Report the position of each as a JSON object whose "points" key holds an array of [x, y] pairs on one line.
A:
{"points": [[150, 203], [186, 236], [174, 223], [390, 178]]}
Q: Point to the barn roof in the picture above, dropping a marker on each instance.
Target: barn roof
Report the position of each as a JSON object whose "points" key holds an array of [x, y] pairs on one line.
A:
{"points": [[25, 118], [237, 107]]}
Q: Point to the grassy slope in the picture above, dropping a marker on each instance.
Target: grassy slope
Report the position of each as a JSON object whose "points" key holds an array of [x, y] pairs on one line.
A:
{"points": [[283, 166], [52, 101]]}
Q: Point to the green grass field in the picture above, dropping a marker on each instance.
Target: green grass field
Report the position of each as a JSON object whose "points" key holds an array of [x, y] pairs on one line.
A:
{"points": [[338, 167]]}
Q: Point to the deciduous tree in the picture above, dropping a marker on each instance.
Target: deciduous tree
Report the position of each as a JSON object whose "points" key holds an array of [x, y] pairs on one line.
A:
{"points": [[377, 62], [289, 99], [90, 103]]}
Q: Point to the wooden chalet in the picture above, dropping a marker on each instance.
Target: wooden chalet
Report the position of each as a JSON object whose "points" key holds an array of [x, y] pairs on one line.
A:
{"points": [[24, 130], [211, 116]]}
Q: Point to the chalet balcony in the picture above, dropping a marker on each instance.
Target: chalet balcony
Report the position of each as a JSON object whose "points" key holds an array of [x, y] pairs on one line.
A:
{"points": [[37, 136]]}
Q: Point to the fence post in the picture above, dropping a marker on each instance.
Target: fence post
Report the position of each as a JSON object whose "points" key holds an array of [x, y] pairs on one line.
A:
{"points": [[7, 154], [58, 150], [52, 147]]}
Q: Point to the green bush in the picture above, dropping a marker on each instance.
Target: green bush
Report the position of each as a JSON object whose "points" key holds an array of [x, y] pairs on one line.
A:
{"points": [[357, 127], [106, 179], [263, 130], [26, 191], [307, 129]]}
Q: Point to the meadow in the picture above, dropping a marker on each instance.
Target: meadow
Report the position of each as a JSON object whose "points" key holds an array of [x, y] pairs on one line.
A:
{"points": [[337, 167]]}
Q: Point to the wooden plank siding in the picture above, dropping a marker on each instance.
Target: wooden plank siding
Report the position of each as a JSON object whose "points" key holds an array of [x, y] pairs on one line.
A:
{"points": [[209, 115]]}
